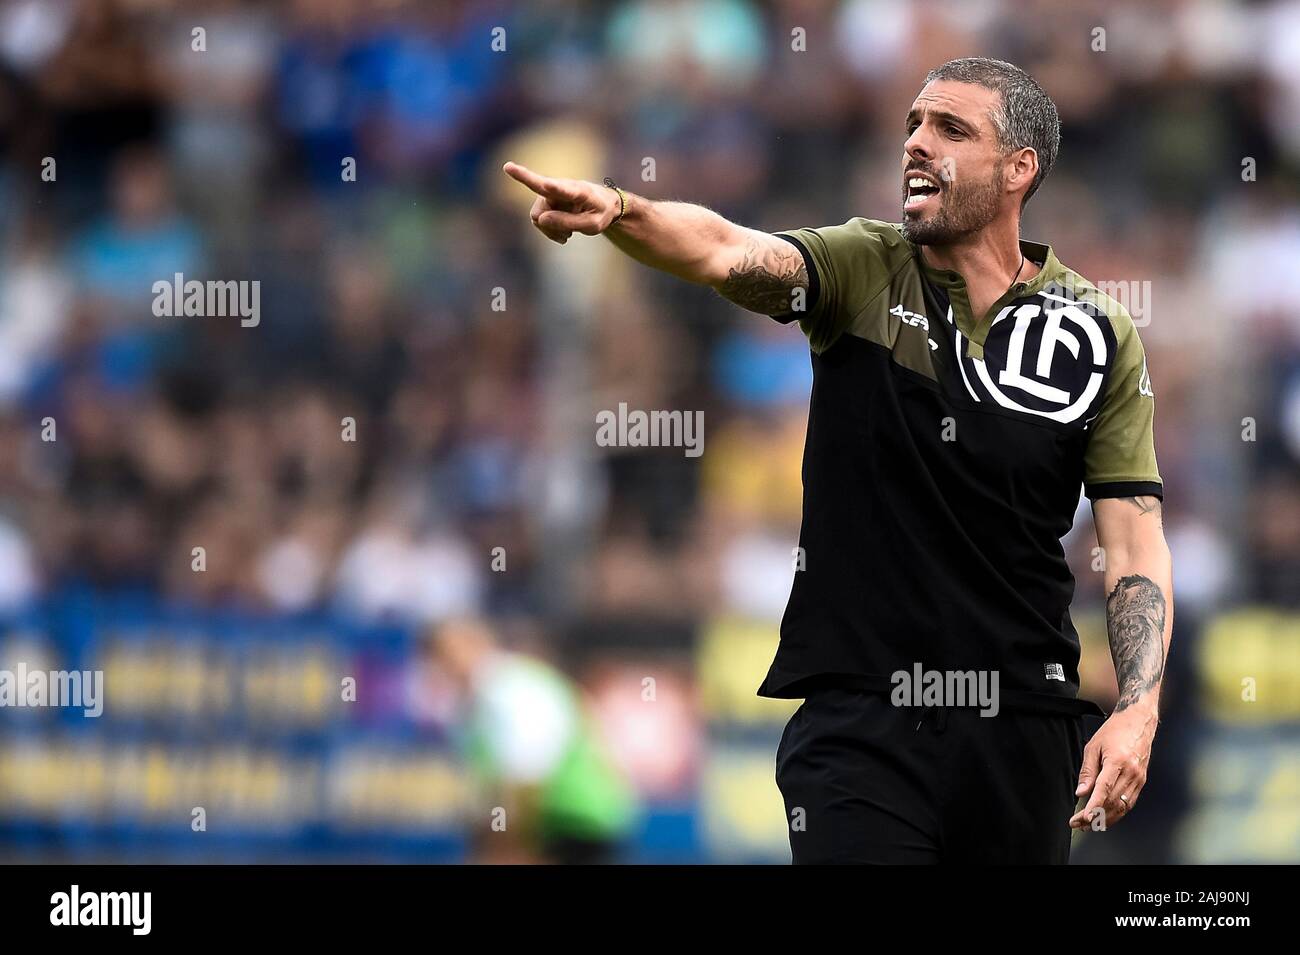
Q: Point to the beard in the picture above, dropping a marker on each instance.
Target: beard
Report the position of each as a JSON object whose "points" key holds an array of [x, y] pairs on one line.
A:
{"points": [[963, 210]]}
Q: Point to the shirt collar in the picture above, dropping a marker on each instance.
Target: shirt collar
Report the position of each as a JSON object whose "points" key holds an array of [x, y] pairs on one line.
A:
{"points": [[1051, 270]]}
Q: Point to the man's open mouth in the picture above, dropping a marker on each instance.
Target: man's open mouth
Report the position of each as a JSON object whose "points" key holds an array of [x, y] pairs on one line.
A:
{"points": [[919, 189]]}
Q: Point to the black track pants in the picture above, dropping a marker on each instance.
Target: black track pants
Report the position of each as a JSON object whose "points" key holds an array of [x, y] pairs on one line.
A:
{"points": [[864, 783]]}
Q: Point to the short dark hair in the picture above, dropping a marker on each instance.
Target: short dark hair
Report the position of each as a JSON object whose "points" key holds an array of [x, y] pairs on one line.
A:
{"points": [[1027, 115]]}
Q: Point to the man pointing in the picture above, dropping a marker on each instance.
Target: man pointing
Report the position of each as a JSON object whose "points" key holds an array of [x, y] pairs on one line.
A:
{"points": [[967, 386]]}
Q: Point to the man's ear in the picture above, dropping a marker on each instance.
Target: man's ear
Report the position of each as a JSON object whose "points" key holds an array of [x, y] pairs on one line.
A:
{"points": [[1023, 167]]}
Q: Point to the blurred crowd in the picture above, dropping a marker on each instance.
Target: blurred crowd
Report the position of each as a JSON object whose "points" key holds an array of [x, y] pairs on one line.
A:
{"points": [[145, 138]]}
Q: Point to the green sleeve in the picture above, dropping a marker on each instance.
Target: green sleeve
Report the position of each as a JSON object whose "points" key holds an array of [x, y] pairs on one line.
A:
{"points": [[848, 266], [1121, 458]]}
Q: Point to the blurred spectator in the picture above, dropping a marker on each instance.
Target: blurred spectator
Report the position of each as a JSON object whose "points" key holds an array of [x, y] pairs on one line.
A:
{"points": [[538, 756]]}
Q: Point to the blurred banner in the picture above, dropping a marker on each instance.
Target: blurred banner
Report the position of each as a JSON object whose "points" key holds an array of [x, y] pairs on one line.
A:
{"points": [[223, 736], [1245, 773]]}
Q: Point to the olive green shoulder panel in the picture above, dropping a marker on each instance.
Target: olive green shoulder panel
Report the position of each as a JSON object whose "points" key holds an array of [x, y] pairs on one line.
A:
{"points": [[1122, 447], [855, 262]]}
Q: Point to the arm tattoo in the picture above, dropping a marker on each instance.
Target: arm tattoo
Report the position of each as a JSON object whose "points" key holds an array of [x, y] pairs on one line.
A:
{"points": [[1135, 619], [1146, 504], [765, 277]]}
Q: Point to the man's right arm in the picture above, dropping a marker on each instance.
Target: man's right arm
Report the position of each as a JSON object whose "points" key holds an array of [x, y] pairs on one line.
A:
{"points": [[755, 270]]}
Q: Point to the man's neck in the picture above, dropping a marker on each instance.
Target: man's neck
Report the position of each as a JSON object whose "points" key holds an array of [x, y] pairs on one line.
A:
{"points": [[993, 251], [988, 261]]}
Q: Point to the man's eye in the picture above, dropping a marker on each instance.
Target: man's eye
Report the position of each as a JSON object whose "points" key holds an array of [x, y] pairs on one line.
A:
{"points": [[954, 131]]}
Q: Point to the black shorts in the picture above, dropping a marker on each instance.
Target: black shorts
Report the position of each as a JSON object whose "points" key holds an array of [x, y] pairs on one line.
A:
{"points": [[865, 781]]}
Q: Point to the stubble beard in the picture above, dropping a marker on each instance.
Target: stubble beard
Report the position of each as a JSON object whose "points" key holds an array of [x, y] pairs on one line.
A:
{"points": [[963, 211]]}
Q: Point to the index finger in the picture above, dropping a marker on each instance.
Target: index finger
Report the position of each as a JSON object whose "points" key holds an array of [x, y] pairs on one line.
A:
{"points": [[538, 183], [1100, 792]]}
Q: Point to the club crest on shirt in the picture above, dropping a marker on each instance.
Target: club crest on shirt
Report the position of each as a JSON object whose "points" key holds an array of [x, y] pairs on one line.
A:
{"points": [[1044, 356]]}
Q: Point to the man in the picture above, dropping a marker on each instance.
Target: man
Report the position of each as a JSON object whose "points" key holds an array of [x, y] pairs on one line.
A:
{"points": [[549, 791], [966, 385]]}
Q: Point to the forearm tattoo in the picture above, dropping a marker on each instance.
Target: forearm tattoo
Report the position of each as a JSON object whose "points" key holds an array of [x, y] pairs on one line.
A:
{"points": [[1135, 620], [765, 277], [1147, 505]]}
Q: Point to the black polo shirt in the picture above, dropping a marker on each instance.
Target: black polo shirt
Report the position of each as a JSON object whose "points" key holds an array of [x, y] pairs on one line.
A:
{"points": [[944, 461]]}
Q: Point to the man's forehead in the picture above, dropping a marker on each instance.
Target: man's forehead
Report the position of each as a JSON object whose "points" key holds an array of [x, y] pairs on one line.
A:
{"points": [[967, 100]]}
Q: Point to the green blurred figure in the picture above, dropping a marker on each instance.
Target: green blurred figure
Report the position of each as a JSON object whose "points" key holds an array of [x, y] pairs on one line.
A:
{"points": [[535, 753]]}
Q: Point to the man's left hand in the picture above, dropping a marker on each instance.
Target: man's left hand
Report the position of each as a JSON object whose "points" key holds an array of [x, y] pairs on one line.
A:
{"points": [[1115, 765]]}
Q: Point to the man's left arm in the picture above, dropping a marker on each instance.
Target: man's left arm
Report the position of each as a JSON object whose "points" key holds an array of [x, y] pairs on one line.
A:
{"points": [[1139, 621]]}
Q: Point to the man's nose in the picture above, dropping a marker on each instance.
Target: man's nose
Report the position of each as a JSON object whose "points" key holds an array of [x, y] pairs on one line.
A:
{"points": [[918, 148]]}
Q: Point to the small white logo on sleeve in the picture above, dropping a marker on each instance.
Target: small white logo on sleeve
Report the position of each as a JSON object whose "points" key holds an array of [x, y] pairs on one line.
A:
{"points": [[131, 909], [1053, 671], [1144, 383]]}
